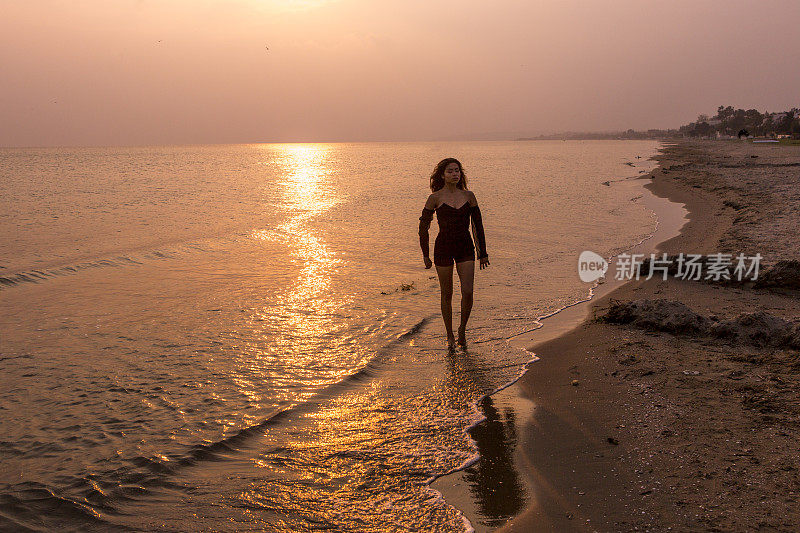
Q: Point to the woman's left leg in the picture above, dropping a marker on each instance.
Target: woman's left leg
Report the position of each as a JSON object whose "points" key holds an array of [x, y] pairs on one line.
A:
{"points": [[466, 277], [446, 286]]}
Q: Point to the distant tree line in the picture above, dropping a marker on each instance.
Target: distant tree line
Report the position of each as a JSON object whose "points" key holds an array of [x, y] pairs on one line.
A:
{"points": [[609, 135], [730, 122]]}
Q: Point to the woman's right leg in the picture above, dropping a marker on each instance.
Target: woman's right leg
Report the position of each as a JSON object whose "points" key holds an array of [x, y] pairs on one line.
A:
{"points": [[446, 286], [466, 277]]}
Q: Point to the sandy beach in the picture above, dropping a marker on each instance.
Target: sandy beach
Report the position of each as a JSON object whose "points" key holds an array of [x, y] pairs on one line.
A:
{"points": [[648, 423]]}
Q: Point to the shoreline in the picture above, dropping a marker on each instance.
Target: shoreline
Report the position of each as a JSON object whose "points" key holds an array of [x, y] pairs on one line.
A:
{"points": [[671, 217], [553, 507], [619, 449]]}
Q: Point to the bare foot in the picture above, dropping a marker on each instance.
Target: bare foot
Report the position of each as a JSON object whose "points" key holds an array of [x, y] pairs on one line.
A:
{"points": [[451, 341], [462, 337]]}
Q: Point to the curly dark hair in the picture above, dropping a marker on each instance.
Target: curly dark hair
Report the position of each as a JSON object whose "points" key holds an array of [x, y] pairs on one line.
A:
{"points": [[437, 178]]}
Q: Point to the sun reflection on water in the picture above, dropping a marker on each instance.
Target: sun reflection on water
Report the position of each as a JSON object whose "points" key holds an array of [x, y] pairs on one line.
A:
{"points": [[307, 194], [299, 327]]}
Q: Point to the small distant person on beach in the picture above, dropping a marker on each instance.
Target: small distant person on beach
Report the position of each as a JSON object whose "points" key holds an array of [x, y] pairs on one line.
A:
{"points": [[455, 207]]}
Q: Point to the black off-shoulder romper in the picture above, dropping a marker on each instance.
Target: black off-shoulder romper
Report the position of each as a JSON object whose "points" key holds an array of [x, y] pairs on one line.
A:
{"points": [[453, 243]]}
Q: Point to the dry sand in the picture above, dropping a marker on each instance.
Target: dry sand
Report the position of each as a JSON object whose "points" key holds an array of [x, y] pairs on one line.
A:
{"points": [[679, 431]]}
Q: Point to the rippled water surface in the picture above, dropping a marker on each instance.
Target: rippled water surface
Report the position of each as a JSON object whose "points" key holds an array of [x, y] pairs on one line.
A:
{"points": [[220, 337]]}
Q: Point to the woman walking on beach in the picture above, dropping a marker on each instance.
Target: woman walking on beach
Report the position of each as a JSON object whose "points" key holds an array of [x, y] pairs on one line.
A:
{"points": [[455, 206]]}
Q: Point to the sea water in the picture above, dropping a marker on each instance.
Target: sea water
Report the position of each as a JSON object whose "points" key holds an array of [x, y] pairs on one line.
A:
{"points": [[244, 337]]}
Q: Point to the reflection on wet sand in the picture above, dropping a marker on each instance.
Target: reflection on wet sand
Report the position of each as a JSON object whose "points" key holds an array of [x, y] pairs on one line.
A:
{"points": [[498, 492], [493, 479], [349, 464]]}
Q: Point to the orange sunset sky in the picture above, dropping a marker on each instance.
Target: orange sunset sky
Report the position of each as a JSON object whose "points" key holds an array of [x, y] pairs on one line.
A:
{"points": [[86, 72]]}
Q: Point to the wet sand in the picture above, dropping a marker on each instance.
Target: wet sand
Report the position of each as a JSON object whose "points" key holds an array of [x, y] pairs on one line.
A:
{"points": [[639, 429]]}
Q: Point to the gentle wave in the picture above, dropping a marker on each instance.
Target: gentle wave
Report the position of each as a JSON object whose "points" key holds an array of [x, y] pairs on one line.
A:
{"points": [[33, 506], [38, 275], [124, 258]]}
